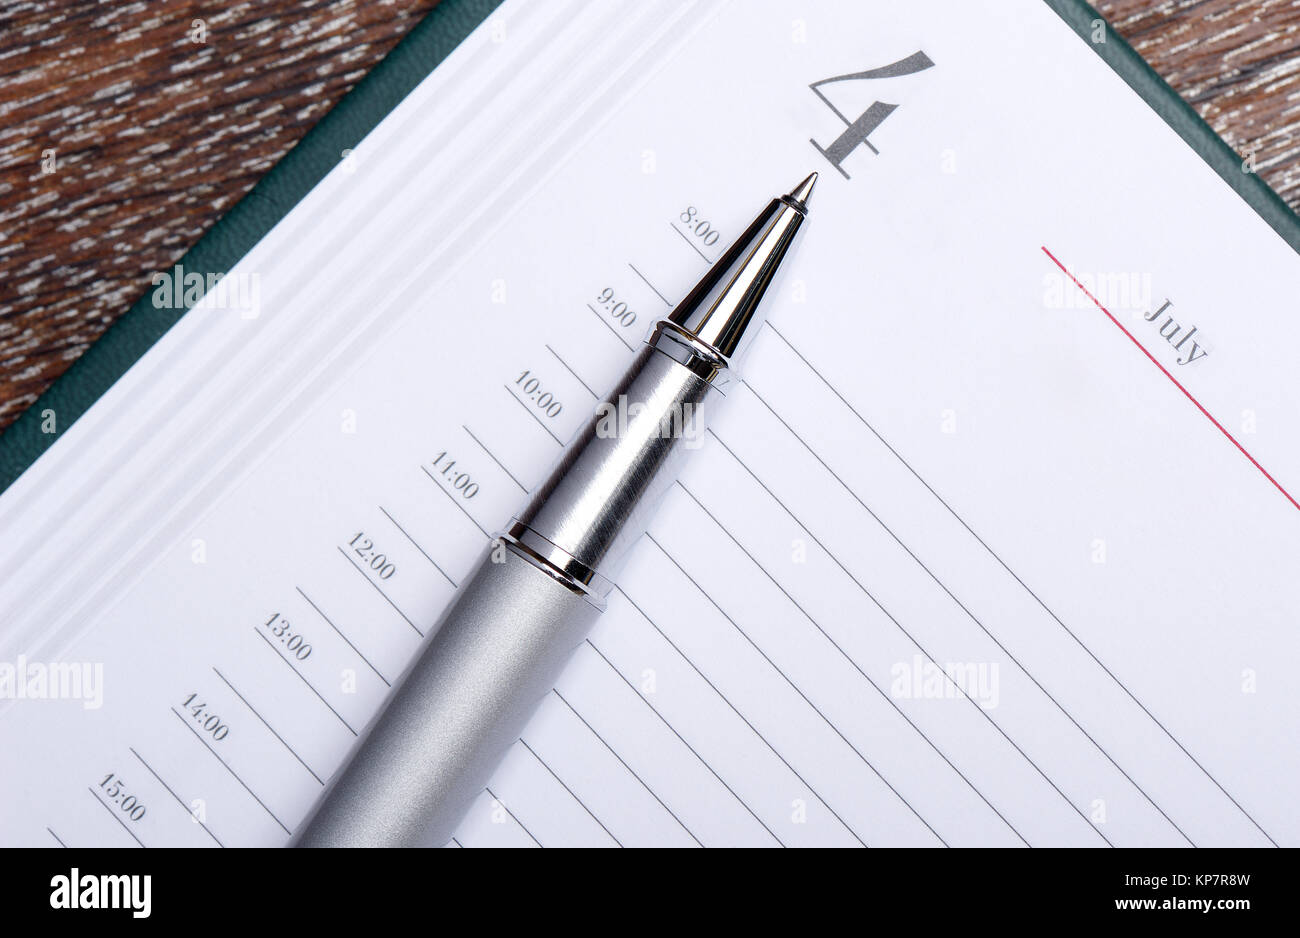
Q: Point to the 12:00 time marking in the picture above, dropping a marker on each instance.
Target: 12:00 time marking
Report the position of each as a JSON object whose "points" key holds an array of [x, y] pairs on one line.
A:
{"points": [[364, 548]]}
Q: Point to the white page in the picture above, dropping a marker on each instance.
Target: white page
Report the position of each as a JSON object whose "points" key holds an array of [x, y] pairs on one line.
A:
{"points": [[945, 453]]}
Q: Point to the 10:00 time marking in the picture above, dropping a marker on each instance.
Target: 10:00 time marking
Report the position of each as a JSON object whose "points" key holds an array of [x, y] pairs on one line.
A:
{"points": [[544, 400]]}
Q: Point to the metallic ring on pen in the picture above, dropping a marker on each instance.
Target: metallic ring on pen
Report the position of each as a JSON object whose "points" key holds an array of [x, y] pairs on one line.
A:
{"points": [[699, 357], [557, 562]]}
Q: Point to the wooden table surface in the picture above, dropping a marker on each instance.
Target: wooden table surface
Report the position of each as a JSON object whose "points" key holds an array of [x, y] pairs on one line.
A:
{"points": [[161, 115]]}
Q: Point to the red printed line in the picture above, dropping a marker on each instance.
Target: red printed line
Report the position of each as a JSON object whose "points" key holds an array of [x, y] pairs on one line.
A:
{"points": [[1208, 416]]}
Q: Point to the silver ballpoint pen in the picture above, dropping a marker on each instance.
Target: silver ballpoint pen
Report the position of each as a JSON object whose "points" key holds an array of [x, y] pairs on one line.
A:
{"points": [[534, 597]]}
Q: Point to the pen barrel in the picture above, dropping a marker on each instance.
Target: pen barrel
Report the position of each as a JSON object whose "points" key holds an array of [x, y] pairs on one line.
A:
{"points": [[498, 651], [600, 496], [501, 645]]}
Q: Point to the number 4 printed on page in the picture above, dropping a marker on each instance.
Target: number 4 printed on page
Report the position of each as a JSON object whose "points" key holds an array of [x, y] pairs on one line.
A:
{"points": [[858, 131]]}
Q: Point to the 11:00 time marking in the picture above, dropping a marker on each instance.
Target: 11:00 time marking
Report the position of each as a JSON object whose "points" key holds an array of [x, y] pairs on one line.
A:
{"points": [[460, 481]]}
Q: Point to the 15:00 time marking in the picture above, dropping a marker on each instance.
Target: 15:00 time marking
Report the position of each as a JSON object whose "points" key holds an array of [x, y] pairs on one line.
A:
{"points": [[115, 790]]}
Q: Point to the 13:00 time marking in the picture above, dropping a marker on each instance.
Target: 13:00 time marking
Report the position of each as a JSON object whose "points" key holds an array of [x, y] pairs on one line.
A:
{"points": [[293, 641]]}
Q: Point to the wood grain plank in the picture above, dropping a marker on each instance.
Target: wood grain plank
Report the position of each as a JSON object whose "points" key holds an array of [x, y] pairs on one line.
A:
{"points": [[154, 136], [1237, 62]]}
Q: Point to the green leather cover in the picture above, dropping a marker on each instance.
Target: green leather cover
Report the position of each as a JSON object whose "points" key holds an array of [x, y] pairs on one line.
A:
{"points": [[390, 81]]}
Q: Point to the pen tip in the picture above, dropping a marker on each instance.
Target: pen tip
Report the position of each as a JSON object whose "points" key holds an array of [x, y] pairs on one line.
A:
{"points": [[801, 192]]}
